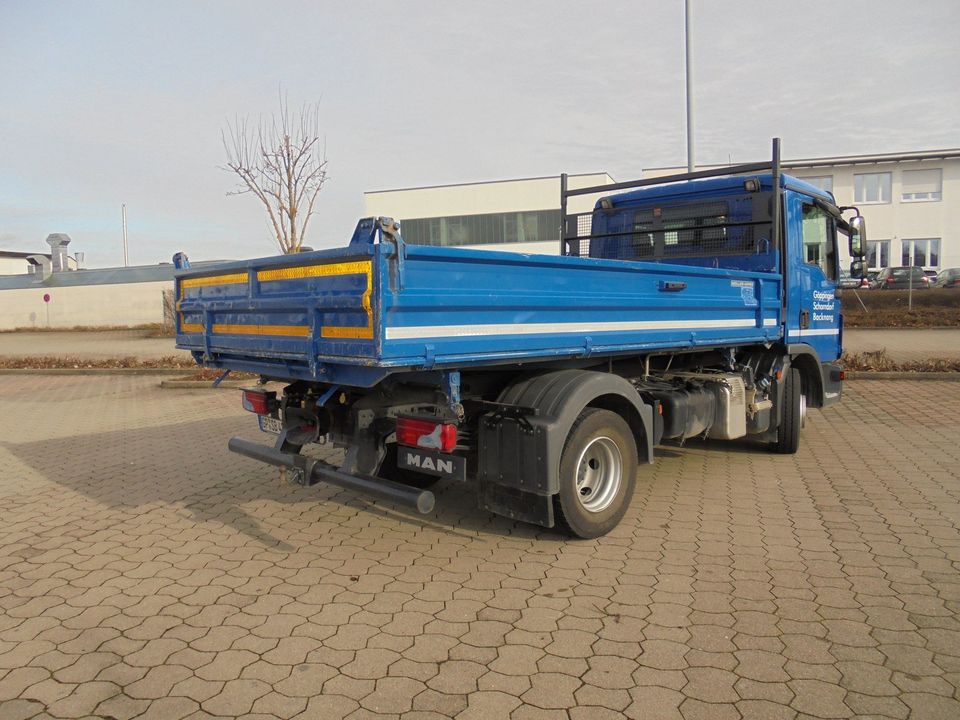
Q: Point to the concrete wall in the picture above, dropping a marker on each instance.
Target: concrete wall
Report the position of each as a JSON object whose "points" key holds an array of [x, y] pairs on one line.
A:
{"points": [[114, 304]]}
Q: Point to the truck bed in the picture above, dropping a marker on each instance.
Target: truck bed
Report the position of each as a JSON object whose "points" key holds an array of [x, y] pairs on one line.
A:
{"points": [[352, 316]]}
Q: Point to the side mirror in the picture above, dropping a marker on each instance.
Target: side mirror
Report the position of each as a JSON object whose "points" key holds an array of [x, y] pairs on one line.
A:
{"points": [[858, 237], [857, 270]]}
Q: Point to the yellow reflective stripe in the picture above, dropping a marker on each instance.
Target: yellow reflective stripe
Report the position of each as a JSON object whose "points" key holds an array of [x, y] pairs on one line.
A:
{"points": [[232, 279], [353, 333], [361, 267], [292, 330]]}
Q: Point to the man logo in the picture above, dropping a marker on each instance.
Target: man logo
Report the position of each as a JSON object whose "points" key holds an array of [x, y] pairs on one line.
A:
{"points": [[427, 463]]}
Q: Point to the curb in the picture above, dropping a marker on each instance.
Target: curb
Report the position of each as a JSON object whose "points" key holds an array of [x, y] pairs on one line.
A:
{"points": [[896, 375], [203, 384]]}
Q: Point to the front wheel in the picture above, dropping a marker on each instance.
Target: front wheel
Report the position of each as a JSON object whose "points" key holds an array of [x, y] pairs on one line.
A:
{"points": [[598, 474], [792, 415]]}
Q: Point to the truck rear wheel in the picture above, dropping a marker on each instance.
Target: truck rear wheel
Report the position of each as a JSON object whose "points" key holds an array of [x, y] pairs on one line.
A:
{"points": [[598, 474], [791, 419]]}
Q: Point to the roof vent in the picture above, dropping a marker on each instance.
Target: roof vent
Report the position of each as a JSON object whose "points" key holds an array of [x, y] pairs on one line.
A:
{"points": [[58, 251]]}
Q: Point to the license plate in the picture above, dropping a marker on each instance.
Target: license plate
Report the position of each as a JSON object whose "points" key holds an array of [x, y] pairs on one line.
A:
{"points": [[433, 463], [270, 424]]}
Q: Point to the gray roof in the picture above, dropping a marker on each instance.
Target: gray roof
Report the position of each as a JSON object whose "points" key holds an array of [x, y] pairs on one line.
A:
{"points": [[102, 276]]}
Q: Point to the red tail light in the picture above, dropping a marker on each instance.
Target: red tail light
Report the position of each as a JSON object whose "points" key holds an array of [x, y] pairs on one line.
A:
{"points": [[426, 434], [890, 279], [260, 402]]}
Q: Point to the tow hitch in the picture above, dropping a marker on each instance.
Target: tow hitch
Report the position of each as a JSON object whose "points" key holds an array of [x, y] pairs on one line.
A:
{"points": [[309, 471]]}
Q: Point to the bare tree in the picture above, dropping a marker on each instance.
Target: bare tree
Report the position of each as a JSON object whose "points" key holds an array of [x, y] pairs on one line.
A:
{"points": [[281, 161]]}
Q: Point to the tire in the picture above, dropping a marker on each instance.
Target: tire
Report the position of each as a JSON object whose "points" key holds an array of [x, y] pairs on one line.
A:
{"points": [[598, 474], [788, 432], [390, 471]]}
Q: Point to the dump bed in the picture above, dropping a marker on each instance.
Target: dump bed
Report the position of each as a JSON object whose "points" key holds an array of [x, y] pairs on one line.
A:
{"points": [[352, 316]]}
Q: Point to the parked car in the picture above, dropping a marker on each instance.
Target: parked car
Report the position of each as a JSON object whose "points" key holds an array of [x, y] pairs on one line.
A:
{"points": [[852, 283], [901, 278], [949, 278]]}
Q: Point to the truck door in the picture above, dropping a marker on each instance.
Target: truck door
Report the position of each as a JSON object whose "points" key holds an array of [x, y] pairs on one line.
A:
{"points": [[813, 310]]}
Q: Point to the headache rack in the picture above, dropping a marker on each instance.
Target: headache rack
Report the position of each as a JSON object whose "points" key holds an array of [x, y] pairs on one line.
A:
{"points": [[735, 225]]}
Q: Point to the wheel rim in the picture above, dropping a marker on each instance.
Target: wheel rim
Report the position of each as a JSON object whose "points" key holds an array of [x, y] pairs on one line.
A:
{"points": [[803, 409], [599, 474]]}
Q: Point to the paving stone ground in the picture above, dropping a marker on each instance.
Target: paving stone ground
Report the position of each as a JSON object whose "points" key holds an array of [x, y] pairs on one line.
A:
{"points": [[145, 571]]}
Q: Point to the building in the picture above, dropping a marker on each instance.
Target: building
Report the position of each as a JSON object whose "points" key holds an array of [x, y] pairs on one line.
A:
{"points": [[523, 215], [22, 263], [911, 202], [50, 291]]}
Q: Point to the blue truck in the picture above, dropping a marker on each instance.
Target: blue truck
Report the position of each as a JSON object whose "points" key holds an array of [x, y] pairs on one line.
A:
{"points": [[701, 304]]}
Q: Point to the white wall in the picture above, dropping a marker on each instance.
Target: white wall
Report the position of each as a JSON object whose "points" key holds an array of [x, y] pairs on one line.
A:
{"points": [[481, 198], [897, 220], [96, 305], [13, 266]]}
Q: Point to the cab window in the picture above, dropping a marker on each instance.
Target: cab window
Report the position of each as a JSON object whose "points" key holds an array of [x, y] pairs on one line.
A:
{"points": [[820, 240]]}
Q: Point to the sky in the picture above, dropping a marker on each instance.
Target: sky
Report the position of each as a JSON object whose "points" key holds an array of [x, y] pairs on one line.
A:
{"points": [[111, 103]]}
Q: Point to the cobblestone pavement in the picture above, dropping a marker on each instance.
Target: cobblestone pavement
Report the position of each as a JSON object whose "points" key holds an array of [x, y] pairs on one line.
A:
{"points": [[147, 572]]}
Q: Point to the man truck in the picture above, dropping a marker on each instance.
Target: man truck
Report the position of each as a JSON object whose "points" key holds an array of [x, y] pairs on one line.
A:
{"points": [[700, 304]]}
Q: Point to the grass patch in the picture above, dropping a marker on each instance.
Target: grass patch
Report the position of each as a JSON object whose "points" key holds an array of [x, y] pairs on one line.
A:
{"points": [[149, 330], [891, 308], [50, 362], [880, 361]]}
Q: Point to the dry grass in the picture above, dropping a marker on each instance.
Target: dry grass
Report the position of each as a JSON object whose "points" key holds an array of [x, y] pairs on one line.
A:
{"points": [[890, 308], [49, 362], [149, 330], [880, 361]]}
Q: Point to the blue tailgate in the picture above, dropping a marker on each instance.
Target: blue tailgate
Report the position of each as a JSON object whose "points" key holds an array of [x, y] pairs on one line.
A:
{"points": [[280, 313]]}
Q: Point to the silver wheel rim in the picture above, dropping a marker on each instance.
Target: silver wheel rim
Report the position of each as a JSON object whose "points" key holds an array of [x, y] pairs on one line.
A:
{"points": [[599, 474], [803, 409]]}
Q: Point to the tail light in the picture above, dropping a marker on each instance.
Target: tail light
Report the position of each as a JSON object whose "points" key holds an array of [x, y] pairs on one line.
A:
{"points": [[426, 434], [890, 279], [261, 402]]}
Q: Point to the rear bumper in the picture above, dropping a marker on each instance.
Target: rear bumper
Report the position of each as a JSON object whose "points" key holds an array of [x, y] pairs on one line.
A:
{"points": [[309, 471]]}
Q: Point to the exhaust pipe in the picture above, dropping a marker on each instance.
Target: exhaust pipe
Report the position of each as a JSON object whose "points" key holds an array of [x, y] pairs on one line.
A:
{"points": [[314, 471]]}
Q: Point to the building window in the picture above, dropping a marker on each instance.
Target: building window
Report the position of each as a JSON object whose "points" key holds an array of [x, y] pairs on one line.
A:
{"points": [[872, 188], [878, 254], [488, 229], [922, 185], [921, 253], [824, 182]]}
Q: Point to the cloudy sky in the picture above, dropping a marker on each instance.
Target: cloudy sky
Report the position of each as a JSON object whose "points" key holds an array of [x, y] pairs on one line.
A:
{"points": [[104, 103]]}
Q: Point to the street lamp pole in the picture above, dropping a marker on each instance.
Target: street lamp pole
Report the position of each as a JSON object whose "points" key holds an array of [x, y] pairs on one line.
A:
{"points": [[123, 213], [687, 28]]}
